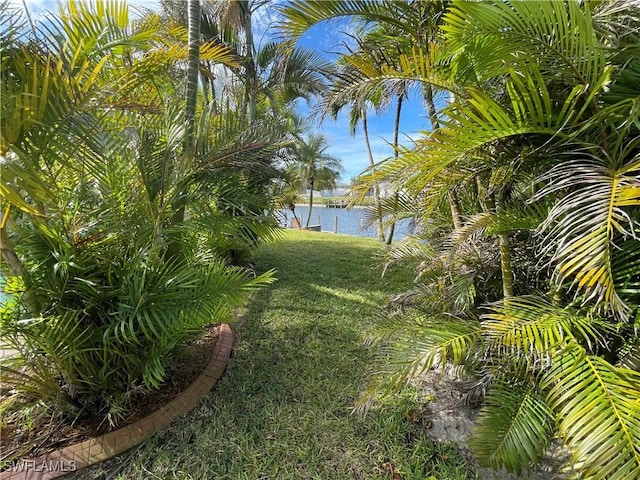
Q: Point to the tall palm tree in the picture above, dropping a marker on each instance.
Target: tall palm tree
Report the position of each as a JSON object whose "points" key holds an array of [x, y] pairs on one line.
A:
{"points": [[387, 45], [191, 101], [358, 114], [314, 166]]}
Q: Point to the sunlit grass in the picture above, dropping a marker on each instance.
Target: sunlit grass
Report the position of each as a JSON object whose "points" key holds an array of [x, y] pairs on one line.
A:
{"points": [[284, 406]]}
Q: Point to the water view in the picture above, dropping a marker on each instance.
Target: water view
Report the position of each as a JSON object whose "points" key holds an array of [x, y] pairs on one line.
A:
{"points": [[347, 221]]}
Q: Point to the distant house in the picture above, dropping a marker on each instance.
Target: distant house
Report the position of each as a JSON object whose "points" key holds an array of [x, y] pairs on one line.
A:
{"points": [[342, 189], [338, 191]]}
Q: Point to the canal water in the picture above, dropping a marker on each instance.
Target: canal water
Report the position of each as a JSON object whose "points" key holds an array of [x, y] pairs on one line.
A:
{"points": [[349, 221]]}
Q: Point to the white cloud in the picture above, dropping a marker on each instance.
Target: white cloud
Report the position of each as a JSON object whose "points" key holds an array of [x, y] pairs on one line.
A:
{"points": [[36, 7], [263, 21]]}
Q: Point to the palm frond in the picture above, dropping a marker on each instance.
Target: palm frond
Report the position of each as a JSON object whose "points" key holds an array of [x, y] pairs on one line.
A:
{"points": [[230, 144], [144, 299], [411, 343], [625, 264], [582, 226], [596, 407], [631, 357], [293, 72], [562, 37], [532, 324], [513, 428], [392, 209], [510, 218], [519, 217], [302, 15], [409, 249], [471, 128], [367, 77]]}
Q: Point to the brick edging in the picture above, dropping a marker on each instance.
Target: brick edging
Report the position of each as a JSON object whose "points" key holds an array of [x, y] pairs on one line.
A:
{"points": [[95, 450]]}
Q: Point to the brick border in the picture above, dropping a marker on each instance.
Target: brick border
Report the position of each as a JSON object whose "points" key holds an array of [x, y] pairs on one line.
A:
{"points": [[95, 450]]}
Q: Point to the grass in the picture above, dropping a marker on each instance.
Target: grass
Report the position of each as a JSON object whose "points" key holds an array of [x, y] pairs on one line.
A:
{"points": [[283, 409]]}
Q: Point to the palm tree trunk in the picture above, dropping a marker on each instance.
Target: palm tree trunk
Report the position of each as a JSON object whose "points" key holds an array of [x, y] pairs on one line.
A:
{"points": [[477, 190], [376, 188], [311, 184], [505, 265], [205, 88], [396, 133], [193, 72], [505, 253], [9, 255], [252, 76], [456, 216], [13, 262], [392, 228], [431, 106]]}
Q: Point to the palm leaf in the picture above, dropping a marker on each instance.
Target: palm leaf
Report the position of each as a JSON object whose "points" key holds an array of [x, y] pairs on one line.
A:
{"points": [[367, 76], [581, 227], [531, 323], [560, 36], [410, 343], [513, 428], [631, 357], [625, 263], [471, 128], [597, 410], [302, 15]]}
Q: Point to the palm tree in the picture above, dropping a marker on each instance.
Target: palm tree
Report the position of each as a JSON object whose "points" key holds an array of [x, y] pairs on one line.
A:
{"points": [[537, 96], [358, 114], [392, 30], [316, 168], [387, 44], [92, 186]]}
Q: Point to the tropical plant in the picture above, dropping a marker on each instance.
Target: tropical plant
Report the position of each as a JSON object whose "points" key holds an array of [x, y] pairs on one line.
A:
{"points": [[92, 182], [358, 114], [262, 83], [540, 141], [314, 166], [388, 31]]}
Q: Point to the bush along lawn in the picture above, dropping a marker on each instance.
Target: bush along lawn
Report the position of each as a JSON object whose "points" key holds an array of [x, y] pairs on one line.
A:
{"points": [[284, 408]]}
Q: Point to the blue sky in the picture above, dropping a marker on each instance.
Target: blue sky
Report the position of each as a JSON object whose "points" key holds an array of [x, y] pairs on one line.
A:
{"points": [[325, 39]]}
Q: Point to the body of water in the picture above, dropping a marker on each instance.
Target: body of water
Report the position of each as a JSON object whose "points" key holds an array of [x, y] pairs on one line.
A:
{"points": [[350, 222]]}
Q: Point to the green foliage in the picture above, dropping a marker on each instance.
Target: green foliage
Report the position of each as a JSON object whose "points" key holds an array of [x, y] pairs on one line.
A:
{"points": [[532, 326], [98, 182], [537, 151], [313, 166], [410, 343], [583, 244], [513, 427], [112, 312], [605, 441]]}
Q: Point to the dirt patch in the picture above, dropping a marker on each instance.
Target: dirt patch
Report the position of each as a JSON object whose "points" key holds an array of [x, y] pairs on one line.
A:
{"points": [[448, 415], [49, 434]]}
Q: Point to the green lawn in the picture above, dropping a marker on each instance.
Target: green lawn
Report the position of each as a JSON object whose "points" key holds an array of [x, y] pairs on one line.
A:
{"points": [[283, 409]]}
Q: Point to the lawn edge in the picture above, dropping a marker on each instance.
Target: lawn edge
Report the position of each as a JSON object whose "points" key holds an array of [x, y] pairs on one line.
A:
{"points": [[98, 449]]}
